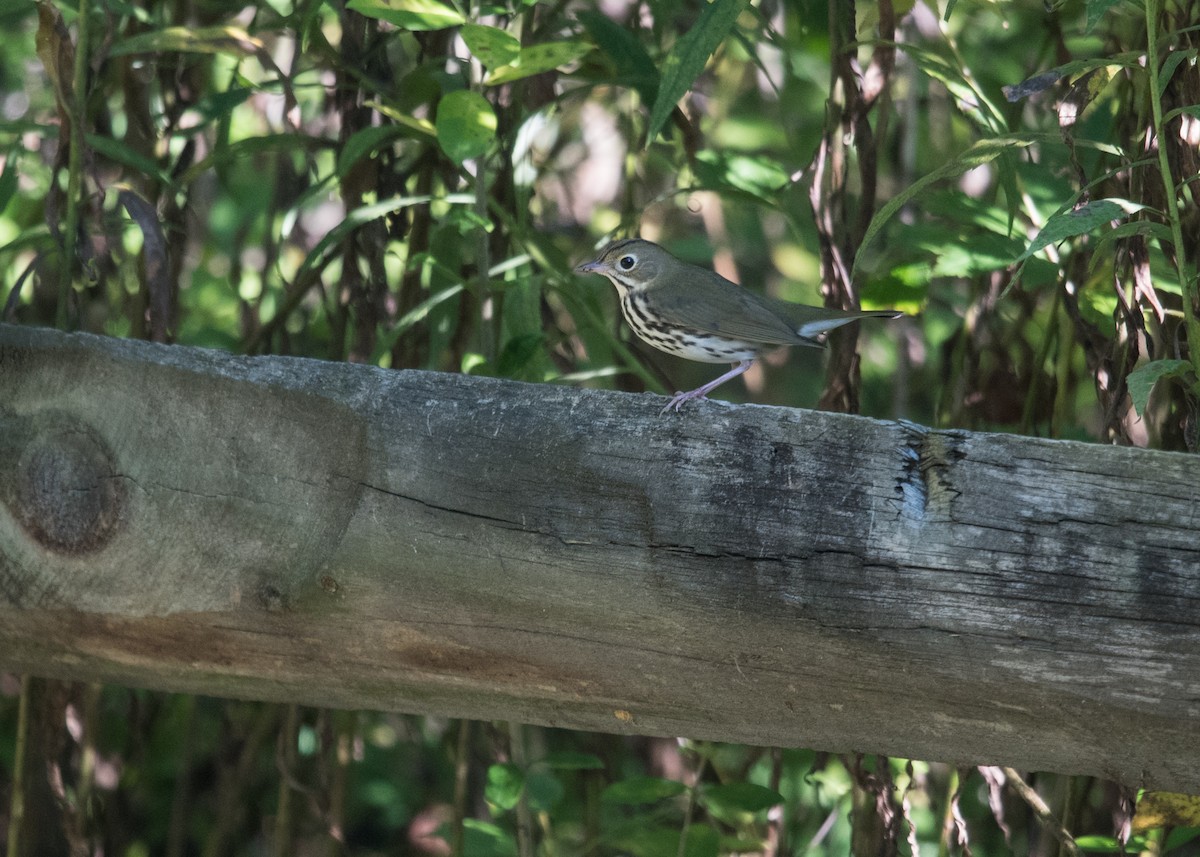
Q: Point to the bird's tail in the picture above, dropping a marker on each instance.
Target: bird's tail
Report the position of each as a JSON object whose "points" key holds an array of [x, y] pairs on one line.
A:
{"points": [[811, 322]]}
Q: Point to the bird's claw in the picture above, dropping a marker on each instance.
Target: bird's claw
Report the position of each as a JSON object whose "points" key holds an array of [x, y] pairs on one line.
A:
{"points": [[678, 400]]}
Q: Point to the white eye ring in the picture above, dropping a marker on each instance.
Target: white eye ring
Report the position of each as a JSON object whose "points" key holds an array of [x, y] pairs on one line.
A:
{"points": [[627, 262]]}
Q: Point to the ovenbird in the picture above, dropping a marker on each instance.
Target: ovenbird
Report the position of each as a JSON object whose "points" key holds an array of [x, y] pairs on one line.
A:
{"points": [[697, 314]]}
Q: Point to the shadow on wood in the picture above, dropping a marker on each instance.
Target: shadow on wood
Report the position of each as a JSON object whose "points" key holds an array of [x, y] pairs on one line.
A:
{"points": [[339, 535]]}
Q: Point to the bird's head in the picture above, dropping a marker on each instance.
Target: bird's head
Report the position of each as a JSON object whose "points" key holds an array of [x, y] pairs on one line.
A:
{"points": [[631, 265]]}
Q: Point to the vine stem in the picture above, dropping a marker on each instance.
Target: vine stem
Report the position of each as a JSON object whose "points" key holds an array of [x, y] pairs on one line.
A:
{"points": [[20, 780], [1187, 283], [78, 108]]}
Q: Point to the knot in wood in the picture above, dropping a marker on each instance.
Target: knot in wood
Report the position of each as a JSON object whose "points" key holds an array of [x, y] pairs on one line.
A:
{"points": [[68, 496]]}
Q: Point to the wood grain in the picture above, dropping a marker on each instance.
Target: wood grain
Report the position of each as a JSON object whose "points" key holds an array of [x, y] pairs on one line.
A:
{"points": [[339, 535]]}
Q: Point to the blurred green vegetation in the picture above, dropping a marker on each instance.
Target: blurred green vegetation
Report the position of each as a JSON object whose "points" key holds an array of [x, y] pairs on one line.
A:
{"points": [[409, 184]]}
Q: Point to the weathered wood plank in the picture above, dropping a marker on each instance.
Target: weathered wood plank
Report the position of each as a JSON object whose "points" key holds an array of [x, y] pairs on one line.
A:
{"points": [[339, 535]]}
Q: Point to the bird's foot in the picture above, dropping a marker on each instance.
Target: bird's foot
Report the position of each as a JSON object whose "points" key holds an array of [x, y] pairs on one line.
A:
{"points": [[701, 392], [678, 400]]}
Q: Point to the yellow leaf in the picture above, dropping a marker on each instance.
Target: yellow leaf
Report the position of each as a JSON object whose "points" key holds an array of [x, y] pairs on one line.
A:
{"points": [[57, 53], [1165, 809]]}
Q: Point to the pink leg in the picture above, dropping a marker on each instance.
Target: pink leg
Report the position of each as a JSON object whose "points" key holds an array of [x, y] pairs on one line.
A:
{"points": [[701, 392]]}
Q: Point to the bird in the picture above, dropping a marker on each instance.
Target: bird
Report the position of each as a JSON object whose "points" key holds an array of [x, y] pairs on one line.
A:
{"points": [[697, 314]]}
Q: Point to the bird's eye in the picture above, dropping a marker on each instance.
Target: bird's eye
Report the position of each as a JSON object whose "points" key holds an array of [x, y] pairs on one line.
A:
{"points": [[627, 263]]}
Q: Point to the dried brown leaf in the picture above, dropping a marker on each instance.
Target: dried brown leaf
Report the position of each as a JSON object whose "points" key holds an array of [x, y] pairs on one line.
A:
{"points": [[154, 256], [57, 53]]}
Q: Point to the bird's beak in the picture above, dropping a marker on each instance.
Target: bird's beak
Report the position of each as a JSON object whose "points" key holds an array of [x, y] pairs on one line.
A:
{"points": [[593, 267]]}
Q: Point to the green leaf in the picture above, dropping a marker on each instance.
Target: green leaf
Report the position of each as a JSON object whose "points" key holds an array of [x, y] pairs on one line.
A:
{"points": [[504, 785], [647, 841], [566, 760], [1168, 69], [1190, 110], [1141, 381], [1006, 175], [117, 151], [536, 59], [982, 152], [365, 214], [642, 790], [1179, 837], [761, 176], [466, 125], [959, 256], [174, 40], [973, 102], [491, 46], [410, 14], [8, 179], [219, 105], [364, 142], [1096, 9], [740, 797], [544, 790], [481, 839], [1110, 845], [1044, 80], [1106, 844], [471, 363], [387, 338], [1080, 221], [702, 841], [1148, 228], [517, 353], [35, 238], [230, 152], [961, 210], [633, 65], [688, 57], [415, 124]]}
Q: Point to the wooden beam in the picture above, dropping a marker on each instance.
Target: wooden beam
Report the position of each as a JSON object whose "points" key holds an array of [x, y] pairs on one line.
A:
{"points": [[339, 535]]}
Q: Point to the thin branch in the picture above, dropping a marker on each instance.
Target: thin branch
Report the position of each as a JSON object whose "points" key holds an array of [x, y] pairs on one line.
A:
{"points": [[461, 769], [16, 807], [1047, 818], [1186, 282]]}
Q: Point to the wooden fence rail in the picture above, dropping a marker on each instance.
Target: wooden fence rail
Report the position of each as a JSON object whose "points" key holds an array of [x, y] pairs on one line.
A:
{"points": [[338, 535]]}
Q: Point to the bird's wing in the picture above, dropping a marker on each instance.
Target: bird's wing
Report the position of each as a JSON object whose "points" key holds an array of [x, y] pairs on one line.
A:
{"points": [[710, 303]]}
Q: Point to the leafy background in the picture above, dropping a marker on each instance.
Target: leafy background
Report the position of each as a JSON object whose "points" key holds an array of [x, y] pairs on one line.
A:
{"points": [[409, 183]]}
